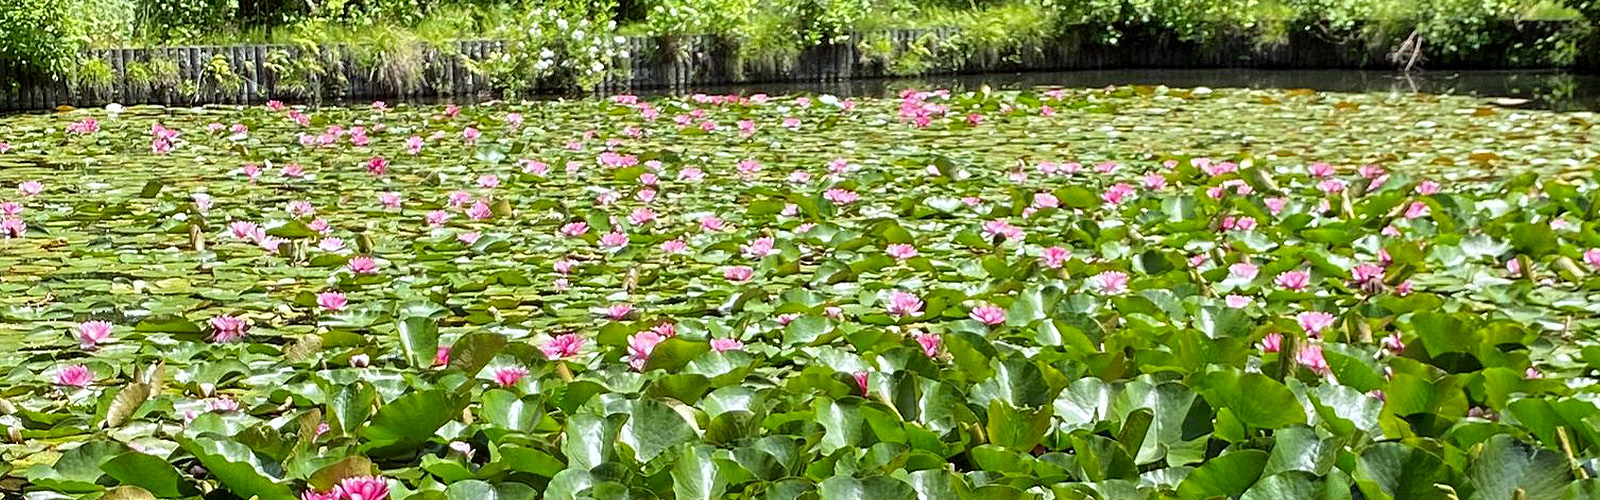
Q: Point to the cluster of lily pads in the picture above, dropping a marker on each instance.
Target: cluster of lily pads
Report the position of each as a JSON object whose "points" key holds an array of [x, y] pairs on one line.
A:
{"points": [[1057, 294]]}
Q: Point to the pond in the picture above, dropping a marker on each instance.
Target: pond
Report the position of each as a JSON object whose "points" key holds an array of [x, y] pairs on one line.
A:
{"points": [[1555, 90], [1049, 293]]}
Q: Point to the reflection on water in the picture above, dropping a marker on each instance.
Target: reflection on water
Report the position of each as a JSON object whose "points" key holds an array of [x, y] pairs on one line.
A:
{"points": [[1544, 89]]}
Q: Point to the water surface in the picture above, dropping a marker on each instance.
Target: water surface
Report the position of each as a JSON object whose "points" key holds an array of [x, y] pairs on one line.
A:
{"points": [[1555, 90]]}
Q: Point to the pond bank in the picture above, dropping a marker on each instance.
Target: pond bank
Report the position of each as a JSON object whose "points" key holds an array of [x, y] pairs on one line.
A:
{"points": [[255, 73]]}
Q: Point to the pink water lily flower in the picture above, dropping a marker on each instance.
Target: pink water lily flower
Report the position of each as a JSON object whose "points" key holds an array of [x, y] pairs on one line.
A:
{"points": [[619, 311], [1320, 170], [1592, 257], [1310, 356], [202, 202], [93, 333], [333, 494], [1002, 228], [225, 329], [1293, 280], [903, 304], [84, 126], [1244, 271], [73, 376], [1054, 257], [840, 196], [748, 166], [575, 229], [901, 251], [436, 218], [725, 345], [930, 344], [509, 376], [1314, 322], [377, 165], [1110, 282], [1416, 210], [1273, 342], [712, 223], [674, 246], [758, 248], [614, 240], [1393, 343], [1231, 223], [640, 345], [12, 227], [362, 264], [1276, 205], [300, 208], [989, 314], [861, 381], [364, 488], [1366, 272], [1427, 187], [562, 346], [389, 199], [839, 166], [30, 188], [414, 145], [332, 301], [641, 216], [245, 229], [1118, 193], [488, 181], [537, 168], [270, 243], [1236, 301], [1045, 200], [738, 273], [666, 330]]}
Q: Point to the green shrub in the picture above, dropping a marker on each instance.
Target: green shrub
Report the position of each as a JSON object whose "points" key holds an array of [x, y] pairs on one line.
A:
{"points": [[557, 44], [39, 35], [181, 20]]}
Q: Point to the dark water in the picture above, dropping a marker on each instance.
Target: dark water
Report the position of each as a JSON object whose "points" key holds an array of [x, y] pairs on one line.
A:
{"points": [[1544, 89]]}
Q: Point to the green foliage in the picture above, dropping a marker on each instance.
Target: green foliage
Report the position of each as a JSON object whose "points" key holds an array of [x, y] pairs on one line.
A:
{"points": [[219, 73], [39, 35], [554, 45], [1443, 372], [94, 77], [711, 17], [185, 19]]}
